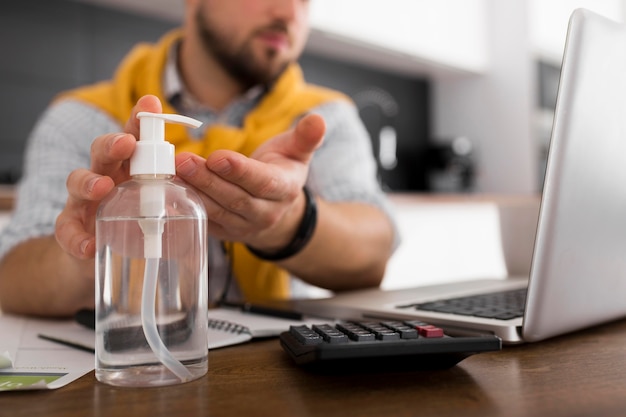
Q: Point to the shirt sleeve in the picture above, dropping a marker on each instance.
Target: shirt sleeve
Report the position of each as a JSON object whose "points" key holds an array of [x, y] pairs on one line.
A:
{"points": [[59, 143], [344, 168]]}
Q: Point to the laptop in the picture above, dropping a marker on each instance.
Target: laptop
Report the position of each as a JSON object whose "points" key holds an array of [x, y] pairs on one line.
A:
{"points": [[577, 275]]}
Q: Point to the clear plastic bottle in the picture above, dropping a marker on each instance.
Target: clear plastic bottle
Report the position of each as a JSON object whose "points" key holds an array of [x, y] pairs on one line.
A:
{"points": [[151, 272]]}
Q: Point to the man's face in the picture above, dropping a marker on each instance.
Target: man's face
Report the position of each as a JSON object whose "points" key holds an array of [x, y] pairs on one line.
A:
{"points": [[254, 40]]}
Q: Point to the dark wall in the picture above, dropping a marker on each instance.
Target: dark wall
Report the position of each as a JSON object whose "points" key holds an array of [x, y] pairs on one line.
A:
{"points": [[51, 45], [384, 100]]}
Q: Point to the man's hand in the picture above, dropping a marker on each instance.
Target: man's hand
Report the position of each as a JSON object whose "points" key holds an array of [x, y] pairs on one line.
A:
{"points": [[256, 200], [75, 226]]}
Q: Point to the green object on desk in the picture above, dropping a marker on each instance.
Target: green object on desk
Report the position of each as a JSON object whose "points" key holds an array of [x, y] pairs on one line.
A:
{"points": [[13, 381]]}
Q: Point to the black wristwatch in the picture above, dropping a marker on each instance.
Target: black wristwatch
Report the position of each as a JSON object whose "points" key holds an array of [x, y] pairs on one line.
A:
{"points": [[303, 234]]}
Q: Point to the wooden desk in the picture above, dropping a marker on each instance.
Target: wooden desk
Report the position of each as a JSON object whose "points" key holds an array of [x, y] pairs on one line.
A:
{"points": [[583, 374], [7, 197]]}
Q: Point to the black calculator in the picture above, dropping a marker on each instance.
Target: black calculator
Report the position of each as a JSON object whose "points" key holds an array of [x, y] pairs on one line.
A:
{"points": [[417, 344]]}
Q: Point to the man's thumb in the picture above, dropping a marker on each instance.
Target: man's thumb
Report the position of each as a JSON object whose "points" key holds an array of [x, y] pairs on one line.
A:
{"points": [[308, 135]]}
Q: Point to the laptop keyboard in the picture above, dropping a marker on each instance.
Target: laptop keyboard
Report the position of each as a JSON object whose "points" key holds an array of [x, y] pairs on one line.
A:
{"points": [[503, 305]]}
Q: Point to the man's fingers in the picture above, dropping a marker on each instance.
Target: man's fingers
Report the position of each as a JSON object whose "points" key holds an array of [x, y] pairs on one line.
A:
{"points": [[85, 186], [148, 103], [73, 239], [308, 135], [261, 180], [74, 226], [108, 152], [297, 144]]}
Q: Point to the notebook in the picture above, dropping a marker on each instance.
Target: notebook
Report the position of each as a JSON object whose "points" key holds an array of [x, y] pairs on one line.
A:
{"points": [[226, 327], [229, 326], [577, 276]]}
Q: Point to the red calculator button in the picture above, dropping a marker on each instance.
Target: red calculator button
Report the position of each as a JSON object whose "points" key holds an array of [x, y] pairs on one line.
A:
{"points": [[430, 331]]}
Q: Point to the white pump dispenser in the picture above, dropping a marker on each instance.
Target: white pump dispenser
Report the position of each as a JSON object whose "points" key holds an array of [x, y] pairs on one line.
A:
{"points": [[170, 248], [154, 156]]}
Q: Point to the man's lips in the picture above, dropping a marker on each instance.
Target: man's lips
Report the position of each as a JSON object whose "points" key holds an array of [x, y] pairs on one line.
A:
{"points": [[276, 40]]}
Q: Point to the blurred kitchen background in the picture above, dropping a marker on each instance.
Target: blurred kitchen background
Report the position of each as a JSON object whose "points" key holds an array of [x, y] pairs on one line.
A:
{"points": [[457, 94]]}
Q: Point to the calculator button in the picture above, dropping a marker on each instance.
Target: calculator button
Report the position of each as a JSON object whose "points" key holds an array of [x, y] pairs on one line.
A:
{"points": [[415, 323], [305, 335], [381, 331], [330, 334], [356, 332], [405, 332], [387, 335], [430, 331]]}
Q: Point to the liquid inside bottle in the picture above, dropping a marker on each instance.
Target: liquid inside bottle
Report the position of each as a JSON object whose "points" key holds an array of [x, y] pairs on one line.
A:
{"points": [[179, 291]]}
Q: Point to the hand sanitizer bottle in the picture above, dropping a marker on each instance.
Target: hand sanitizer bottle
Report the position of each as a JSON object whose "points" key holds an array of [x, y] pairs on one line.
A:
{"points": [[151, 270]]}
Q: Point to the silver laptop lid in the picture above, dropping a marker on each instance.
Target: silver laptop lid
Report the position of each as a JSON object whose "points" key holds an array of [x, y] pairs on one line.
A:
{"points": [[578, 273]]}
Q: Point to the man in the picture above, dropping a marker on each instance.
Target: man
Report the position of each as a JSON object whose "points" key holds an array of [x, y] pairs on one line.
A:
{"points": [[233, 65]]}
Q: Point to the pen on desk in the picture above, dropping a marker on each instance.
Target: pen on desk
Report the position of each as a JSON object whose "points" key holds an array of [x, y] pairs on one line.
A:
{"points": [[265, 311], [66, 343]]}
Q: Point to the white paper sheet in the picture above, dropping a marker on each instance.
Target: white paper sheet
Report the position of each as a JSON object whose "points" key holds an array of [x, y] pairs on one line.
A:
{"points": [[38, 363]]}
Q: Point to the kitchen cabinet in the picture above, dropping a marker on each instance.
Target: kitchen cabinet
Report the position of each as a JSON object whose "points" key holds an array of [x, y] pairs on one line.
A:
{"points": [[416, 37]]}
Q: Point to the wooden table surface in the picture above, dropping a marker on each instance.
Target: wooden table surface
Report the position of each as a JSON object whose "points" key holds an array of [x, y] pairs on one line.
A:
{"points": [[582, 374]]}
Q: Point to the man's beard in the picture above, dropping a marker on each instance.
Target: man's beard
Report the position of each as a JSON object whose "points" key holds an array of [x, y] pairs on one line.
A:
{"points": [[240, 64]]}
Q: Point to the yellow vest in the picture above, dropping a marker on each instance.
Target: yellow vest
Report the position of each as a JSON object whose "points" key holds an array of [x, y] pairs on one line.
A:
{"points": [[141, 73]]}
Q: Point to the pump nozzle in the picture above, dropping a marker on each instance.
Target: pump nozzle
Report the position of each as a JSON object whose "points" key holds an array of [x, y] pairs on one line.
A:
{"points": [[153, 154]]}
